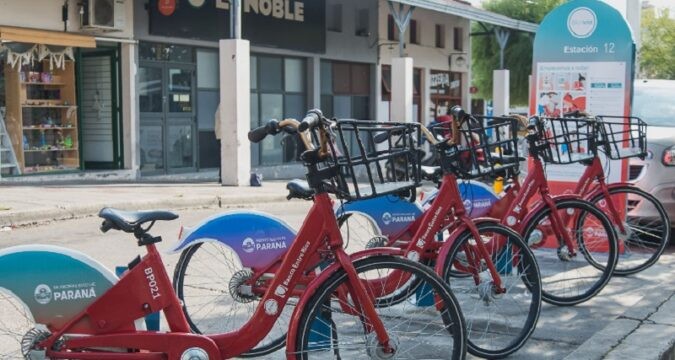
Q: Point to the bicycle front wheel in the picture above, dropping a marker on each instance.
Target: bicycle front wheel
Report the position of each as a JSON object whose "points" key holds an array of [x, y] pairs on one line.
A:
{"points": [[427, 326], [208, 280], [645, 229], [568, 277], [498, 322]]}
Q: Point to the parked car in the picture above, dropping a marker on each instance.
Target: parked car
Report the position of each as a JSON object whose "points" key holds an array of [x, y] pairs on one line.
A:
{"points": [[654, 102]]}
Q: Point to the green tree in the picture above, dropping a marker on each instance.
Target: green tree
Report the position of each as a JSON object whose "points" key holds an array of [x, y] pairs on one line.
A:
{"points": [[518, 51], [657, 52]]}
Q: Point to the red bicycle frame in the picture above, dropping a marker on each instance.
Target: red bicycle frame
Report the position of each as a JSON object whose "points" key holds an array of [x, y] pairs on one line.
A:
{"points": [[146, 288]]}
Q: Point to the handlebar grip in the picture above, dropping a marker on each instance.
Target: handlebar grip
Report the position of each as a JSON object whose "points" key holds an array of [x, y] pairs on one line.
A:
{"points": [[532, 122], [311, 120], [257, 135], [458, 112], [105, 226], [381, 137]]}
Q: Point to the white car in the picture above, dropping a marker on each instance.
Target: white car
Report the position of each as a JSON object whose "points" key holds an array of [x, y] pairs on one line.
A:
{"points": [[654, 102]]}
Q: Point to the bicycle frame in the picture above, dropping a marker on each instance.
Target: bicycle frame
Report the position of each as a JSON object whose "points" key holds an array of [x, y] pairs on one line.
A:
{"points": [[319, 234]]}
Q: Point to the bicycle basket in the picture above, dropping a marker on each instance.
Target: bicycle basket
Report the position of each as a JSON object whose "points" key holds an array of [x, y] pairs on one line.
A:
{"points": [[623, 137], [566, 140], [375, 158], [482, 150]]}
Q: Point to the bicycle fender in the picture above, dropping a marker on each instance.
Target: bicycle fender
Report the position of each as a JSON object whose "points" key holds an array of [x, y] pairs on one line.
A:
{"points": [[321, 278], [478, 198], [257, 238], [445, 249], [391, 214], [54, 284]]}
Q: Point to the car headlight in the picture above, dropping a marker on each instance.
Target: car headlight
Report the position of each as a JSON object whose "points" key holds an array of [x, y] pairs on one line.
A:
{"points": [[669, 156]]}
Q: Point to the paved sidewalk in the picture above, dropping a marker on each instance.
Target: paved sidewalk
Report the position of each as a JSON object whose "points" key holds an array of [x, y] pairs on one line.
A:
{"points": [[21, 205]]}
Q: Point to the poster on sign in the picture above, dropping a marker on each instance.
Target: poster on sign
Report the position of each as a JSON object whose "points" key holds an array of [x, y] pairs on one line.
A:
{"points": [[583, 60]]}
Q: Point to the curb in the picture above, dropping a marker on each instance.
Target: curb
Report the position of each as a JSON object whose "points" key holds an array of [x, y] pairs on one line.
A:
{"points": [[646, 331], [20, 218]]}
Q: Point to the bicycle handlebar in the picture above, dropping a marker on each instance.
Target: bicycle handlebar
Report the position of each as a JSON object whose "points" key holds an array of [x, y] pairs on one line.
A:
{"points": [[311, 120]]}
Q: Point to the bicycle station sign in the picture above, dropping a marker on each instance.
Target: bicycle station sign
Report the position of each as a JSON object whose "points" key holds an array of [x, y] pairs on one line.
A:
{"points": [[583, 60]]}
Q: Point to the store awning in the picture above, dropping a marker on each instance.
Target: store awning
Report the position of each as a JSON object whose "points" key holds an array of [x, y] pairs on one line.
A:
{"points": [[35, 36], [471, 13]]}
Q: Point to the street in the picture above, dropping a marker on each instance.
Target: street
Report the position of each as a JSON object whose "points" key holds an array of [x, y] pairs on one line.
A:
{"points": [[559, 332]]}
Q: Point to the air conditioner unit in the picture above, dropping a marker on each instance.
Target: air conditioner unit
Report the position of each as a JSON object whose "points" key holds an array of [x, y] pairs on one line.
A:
{"points": [[104, 15]]}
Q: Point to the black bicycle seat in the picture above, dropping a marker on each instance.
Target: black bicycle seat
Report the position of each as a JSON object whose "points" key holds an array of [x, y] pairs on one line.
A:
{"points": [[129, 221], [299, 189]]}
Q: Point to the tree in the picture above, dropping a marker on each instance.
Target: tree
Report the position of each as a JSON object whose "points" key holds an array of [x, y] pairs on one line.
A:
{"points": [[657, 53], [518, 51]]}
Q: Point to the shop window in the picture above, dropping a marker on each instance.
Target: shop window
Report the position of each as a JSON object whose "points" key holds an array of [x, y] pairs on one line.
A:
{"points": [[295, 75], [271, 73], [349, 97], [334, 18], [362, 22], [440, 36], [458, 35], [446, 91], [208, 72], [149, 89], [278, 91], [165, 52], [392, 29], [414, 32]]}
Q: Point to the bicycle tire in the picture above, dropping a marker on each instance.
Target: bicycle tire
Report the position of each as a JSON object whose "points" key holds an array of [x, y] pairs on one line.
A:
{"points": [[187, 263], [17, 328], [450, 326], [638, 238], [554, 266], [497, 324]]}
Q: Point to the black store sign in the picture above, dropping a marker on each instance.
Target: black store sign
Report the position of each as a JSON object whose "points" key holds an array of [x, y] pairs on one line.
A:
{"points": [[287, 24]]}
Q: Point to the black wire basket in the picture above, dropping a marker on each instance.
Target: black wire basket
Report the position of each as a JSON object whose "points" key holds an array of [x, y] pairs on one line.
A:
{"points": [[374, 158], [487, 147], [566, 140], [622, 137]]}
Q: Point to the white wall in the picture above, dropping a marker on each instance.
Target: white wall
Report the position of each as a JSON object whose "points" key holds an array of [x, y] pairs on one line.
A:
{"points": [[46, 15], [425, 54]]}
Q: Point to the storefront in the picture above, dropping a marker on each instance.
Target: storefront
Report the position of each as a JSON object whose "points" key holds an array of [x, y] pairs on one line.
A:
{"points": [[298, 62], [60, 88]]}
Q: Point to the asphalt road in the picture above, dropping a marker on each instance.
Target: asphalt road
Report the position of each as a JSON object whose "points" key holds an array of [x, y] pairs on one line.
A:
{"points": [[559, 332]]}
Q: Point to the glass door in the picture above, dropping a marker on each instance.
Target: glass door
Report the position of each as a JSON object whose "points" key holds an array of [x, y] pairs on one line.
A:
{"points": [[166, 102]]}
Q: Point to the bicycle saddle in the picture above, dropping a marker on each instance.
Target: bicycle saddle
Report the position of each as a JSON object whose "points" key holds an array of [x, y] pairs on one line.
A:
{"points": [[299, 189], [129, 221]]}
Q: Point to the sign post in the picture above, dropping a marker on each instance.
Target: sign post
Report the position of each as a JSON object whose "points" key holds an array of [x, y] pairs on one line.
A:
{"points": [[583, 60]]}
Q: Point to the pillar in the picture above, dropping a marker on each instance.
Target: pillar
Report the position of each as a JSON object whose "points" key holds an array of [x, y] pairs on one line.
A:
{"points": [[130, 114], [235, 111], [402, 89], [500, 92]]}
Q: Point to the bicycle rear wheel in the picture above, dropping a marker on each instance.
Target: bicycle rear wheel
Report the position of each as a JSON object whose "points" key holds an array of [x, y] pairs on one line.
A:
{"points": [[207, 279], [18, 331], [646, 228], [566, 279], [498, 324], [331, 326]]}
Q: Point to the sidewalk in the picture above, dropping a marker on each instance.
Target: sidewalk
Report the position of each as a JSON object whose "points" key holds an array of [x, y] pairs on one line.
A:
{"points": [[20, 205]]}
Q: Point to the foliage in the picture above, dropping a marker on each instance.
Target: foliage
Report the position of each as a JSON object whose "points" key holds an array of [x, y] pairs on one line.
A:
{"points": [[657, 52], [518, 52]]}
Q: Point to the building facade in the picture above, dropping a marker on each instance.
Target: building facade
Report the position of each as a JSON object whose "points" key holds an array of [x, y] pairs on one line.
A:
{"points": [[146, 86]]}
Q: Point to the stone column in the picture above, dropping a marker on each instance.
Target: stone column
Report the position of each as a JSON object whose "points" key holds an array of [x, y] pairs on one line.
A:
{"points": [[402, 89], [500, 92], [235, 111]]}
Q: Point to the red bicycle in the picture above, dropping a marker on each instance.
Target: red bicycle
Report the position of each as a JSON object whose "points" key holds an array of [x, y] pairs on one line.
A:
{"points": [[341, 312]]}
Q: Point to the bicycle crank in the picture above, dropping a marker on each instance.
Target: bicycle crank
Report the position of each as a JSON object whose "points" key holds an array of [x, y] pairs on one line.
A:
{"points": [[33, 337], [240, 291], [376, 242]]}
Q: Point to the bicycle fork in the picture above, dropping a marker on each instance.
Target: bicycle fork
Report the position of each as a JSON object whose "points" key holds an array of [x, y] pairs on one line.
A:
{"points": [[364, 301], [474, 256]]}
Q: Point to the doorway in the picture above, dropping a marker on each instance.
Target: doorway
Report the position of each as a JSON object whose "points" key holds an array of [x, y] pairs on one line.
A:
{"points": [[100, 109], [166, 101]]}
